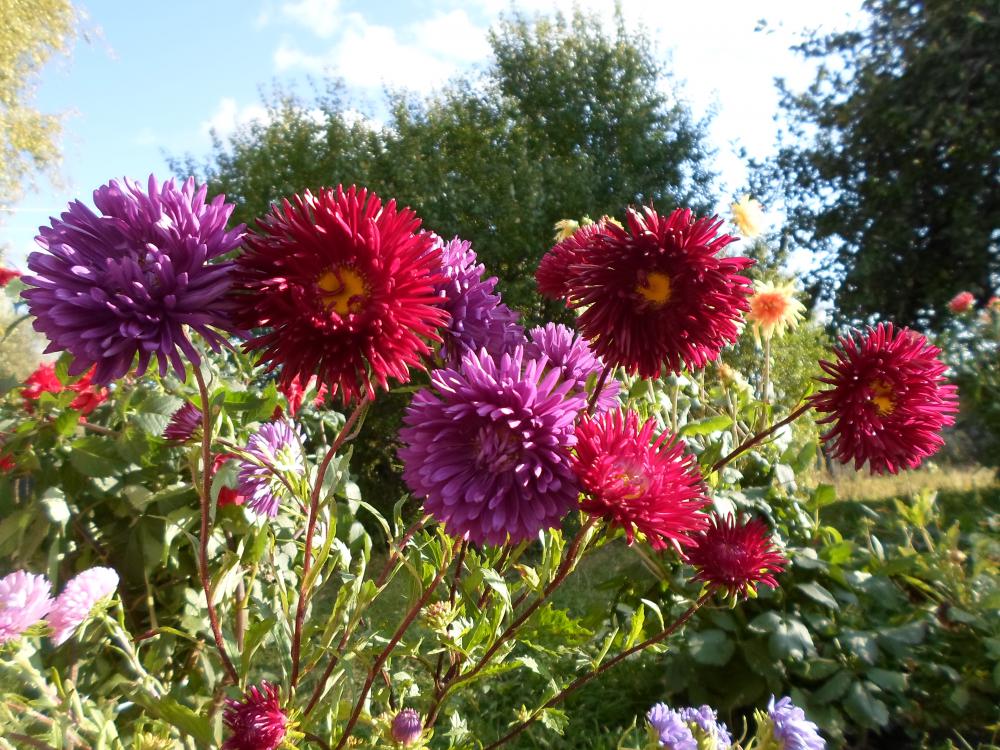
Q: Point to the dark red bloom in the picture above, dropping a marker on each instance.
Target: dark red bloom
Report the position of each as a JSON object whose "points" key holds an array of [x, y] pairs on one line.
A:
{"points": [[257, 722], [888, 399], [295, 393], [735, 556], [345, 288], [7, 462], [637, 483], [227, 495], [554, 271], [658, 293], [42, 380], [7, 275]]}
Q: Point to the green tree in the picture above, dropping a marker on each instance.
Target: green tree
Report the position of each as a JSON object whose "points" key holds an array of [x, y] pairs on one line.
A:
{"points": [[31, 32], [891, 159]]}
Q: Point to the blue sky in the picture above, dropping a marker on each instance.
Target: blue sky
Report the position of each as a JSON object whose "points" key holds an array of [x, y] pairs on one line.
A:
{"points": [[155, 78]]}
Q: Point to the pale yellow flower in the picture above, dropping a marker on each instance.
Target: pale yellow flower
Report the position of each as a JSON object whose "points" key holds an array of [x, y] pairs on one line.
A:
{"points": [[748, 216], [773, 308], [565, 229]]}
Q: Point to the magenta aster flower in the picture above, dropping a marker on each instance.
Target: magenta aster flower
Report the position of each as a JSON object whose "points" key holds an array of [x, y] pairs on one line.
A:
{"points": [[478, 317], [78, 599], [183, 424], [556, 268], [888, 400], [124, 283], [638, 483], [25, 599], [659, 294], [571, 353], [735, 556], [344, 287], [407, 727], [487, 447], [790, 728], [671, 728], [257, 722], [276, 449]]}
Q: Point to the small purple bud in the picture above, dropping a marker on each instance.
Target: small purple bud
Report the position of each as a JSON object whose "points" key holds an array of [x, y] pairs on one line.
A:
{"points": [[406, 727]]}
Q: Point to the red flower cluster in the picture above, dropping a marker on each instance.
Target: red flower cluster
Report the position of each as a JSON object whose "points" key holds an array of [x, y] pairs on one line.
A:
{"points": [[7, 275], [735, 556], [45, 380], [888, 399], [638, 483], [654, 294]]}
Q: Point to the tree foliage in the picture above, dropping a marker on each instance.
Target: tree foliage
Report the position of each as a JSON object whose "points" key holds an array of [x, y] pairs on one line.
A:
{"points": [[30, 34], [891, 159]]}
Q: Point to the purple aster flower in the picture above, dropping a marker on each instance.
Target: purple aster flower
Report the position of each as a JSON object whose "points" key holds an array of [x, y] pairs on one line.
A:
{"points": [[78, 599], [275, 447], [487, 447], [792, 729], [708, 724], [672, 729], [478, 317], [571, 353], [126, 281], [183, 423], [25, 598], [407, 727]]}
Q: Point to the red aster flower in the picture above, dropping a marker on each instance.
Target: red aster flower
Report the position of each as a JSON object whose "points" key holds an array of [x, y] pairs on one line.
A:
{"points": [[658, 294], [7, 275], [735, 556], [89, 396], [961, 302], [344, 287], [227, 495], [257, 722], [42, 380], [637, 483], [295, 393], [888, 399], [554, 272]]}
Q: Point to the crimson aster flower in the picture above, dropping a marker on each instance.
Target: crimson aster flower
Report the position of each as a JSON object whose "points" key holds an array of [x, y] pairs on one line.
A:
{"points": [[126, 282], [658, 293], [571, 353], [257, 722], [735, 556], [888, 400], [555, 270], [487, 447], [25, 599], [344, 287], [81, 595], [638, 483], [477, 316]]}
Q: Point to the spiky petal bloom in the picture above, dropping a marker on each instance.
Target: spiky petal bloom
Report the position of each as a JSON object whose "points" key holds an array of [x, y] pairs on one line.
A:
{"points": [[888, 399], [658, 294], [183, 424], [344, 287], [477, 316], [637, 482], [748, 216], [275, 451], [671, 728], [78, 599], [788, 727], [487, 447], [25, 599], [257, 722], [707, 728], [125, 282], [407, 727], [735, 556], [961, 302], [571, 353], [556, 267], [774, 309]]}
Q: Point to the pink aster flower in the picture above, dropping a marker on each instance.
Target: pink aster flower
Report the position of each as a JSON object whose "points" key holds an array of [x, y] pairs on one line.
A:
{"points": [[638, 483], [961, 302], [25, 599], [735, 556], [78, 599], [888, 399], [257, 722]]}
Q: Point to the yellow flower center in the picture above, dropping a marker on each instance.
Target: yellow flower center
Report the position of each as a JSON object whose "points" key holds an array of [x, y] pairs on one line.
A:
{"points": [[655, 288], [882, 397], [345, 290]]}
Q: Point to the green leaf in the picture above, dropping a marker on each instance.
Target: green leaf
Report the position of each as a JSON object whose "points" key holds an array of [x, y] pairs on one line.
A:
{"points": [[712, 647], [255, 636], [554, 719], [94, 457], [765, 623], [864, 708], [860, 644], [834, 688], [181, 717], [818, 594], [790, 640], [805, 458], [894, 682], [824, 495], [707, 426]]}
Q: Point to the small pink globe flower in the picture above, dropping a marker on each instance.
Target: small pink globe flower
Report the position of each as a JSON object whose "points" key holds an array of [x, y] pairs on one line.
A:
{"points": [[25, 599], [961, 302], [78, 599]]}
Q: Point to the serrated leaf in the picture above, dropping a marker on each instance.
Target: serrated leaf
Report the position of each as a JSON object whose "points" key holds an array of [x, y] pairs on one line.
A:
{"points": [[867, 710], [254, 637]]}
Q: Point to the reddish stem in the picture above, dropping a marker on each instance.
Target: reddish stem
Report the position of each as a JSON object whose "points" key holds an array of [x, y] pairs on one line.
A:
{"points": [[761, 436]]}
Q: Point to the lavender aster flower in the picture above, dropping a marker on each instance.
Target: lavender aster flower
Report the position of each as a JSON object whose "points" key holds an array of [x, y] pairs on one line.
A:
{"points": [[488, 447], [78, 599], [478, 317], [791, 729], [276, 447], [571, 353], [407, 727], [672, 729], [25, 599], [706, 722], [126, 281], [183, 423]]}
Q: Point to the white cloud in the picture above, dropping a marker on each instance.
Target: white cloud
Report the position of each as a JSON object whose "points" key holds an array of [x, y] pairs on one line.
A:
{"points": [[453, 35], [229, 115], [322, 17]]}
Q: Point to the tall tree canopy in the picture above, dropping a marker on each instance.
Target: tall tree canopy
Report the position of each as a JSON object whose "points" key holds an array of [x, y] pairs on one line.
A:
{"points": [[31, 31], [891, 160], [567, 119]]}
